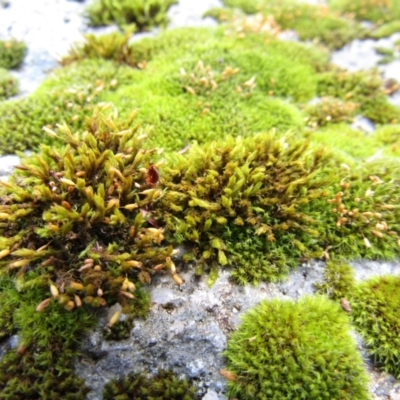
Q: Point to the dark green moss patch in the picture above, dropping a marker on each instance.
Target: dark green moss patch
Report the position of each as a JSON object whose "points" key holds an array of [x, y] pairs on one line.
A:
{"points": [[299, 350], [41, 366], [339, 281], [8, 84], [12, 53], [165, 385], [145, 14]]}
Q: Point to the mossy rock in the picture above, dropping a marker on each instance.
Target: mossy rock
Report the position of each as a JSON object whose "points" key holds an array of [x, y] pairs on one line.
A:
{"points": [[8, 84], [165, 385], [12, 53], [295, 350]]}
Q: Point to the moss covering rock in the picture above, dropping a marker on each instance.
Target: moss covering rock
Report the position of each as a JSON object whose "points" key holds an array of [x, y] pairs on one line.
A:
{"points": [[299, 350]]}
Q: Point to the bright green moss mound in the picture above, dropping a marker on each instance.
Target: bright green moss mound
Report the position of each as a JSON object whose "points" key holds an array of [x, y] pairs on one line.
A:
{"points": [[376, 314], [145, 14], [378, 11], [341, 138], [12, 53], [8, 84], [67, 96], [302, 350], [311, 22], [41, 367], [165, 385], [186, 90]]}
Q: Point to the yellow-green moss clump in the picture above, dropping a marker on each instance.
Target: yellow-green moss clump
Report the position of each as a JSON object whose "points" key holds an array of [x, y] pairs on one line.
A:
{"points": [[330, 111], [311, 22], [279, 198], [378, 11], [8, 84], [364, 88], [165, 385], [77, 216], [376, 315], [12, 53], [299, 350], [145, 14]]}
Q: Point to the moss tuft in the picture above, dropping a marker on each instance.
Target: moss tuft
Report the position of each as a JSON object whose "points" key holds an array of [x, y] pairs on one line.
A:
{"points": [[165, 385], [299, 350], [327, 26], [41, 367], [376, 305], [339, 281], [145, 14], [79, 216], [12, 53], [378, 11], [8, 84], [330, 111]]}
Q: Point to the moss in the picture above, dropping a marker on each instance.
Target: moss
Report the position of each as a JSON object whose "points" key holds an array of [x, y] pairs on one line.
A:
{"points": [[67, 96], [376, 306], [41, 366], [113, 46], [225, 186], [363, 87], [299, 350], [339, 281], [330, 111], [84, 197], [341, 139], [119, 331], [327, 26], [144, 14], [12, 53], [386, 29], [378, 11], [164, 385], [8, 84], [389, 136]]}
